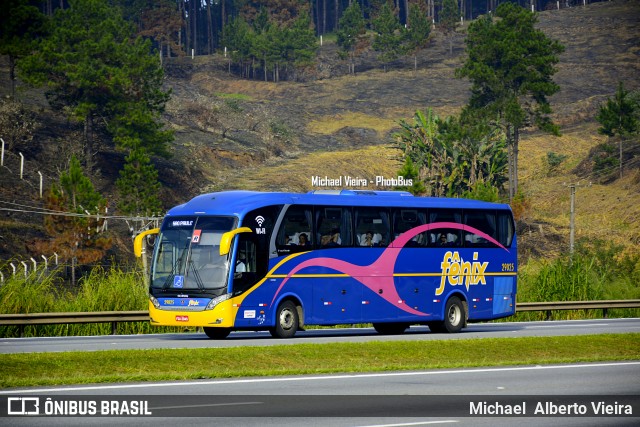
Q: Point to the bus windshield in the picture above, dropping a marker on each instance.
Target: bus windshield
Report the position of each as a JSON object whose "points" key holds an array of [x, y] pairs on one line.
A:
{"points": [[188, 255]]}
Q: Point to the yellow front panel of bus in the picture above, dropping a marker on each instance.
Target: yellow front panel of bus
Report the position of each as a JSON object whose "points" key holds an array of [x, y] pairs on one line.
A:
{"points": [[223, 315]]}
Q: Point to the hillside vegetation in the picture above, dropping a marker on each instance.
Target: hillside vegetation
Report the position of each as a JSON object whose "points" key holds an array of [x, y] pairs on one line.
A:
{"points": [[234, 133]]}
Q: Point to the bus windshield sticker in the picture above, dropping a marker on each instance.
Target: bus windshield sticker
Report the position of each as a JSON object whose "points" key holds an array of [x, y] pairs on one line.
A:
{"points": [[195, 238], [178, 282], [180, 224]]}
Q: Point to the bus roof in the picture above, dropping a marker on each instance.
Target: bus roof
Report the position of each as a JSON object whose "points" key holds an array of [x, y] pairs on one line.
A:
{"points": [[237, 203]]}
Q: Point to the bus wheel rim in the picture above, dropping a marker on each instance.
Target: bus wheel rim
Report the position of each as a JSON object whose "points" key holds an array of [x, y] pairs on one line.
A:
{"points": [[286, 319], [454, 315]]}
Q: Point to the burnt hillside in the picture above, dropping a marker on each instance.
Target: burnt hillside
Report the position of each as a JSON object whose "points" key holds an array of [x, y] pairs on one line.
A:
{"points": [[240, 133]]}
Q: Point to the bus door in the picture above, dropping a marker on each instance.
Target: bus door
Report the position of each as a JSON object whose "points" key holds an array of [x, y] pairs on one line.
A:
{"points": [[251, 263]]}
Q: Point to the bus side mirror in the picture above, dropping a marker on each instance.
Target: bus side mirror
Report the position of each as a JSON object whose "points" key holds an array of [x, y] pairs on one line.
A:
{"points": [[137, 242], [225, 241]]}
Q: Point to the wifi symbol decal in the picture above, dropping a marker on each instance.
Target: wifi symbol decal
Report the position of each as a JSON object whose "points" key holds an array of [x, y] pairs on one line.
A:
{"points": [[260, 220]]}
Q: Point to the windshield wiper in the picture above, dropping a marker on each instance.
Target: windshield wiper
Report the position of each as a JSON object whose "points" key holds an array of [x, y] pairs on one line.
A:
{"points": [[171, 275], [196, 275]]}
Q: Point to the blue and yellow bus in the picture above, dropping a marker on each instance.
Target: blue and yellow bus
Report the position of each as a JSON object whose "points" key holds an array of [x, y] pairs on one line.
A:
{"points": [[241, 260]]}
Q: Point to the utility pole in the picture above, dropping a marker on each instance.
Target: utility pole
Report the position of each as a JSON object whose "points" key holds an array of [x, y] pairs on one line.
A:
{"points": [[572, 220]]}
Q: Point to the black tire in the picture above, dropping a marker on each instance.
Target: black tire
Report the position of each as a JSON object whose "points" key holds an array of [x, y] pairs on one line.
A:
{"points": [[217, 333], [437, 327], [455, 317], [287, 321], [390, 328]]}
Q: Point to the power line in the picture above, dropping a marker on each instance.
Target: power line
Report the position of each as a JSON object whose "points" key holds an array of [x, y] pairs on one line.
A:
{"points": [[45, 211]]}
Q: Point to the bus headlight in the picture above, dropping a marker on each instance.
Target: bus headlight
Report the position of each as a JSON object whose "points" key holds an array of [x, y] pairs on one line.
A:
{"points": [[154, 301], [217, 300]]}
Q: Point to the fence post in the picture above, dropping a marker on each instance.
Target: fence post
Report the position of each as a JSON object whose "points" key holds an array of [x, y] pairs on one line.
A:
{"points": [[26, 269], [40, 173], [21, 165]]}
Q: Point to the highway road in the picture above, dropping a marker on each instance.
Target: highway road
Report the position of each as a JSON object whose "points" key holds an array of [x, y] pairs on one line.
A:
{"points": [[315, 336], [385, 399], [427, 397]]}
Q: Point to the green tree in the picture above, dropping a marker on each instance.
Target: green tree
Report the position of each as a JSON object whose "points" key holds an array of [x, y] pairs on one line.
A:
{"points": [[76, 233], [239, 39], [301, 43], [352, 27], [285, 47], [138, 186], [619, 118], [449, 20], [93, 66], [417, 32], [388, 38], [510, 64], [451, 157], [411, 172], [20, 25]]}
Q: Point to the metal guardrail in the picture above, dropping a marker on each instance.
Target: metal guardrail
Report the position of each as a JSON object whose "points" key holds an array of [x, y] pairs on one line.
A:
{"points": [[604, 305], [115, 317]]}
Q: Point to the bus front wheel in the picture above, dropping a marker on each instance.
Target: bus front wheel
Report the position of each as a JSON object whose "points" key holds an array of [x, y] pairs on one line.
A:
{"points": [[455, 317], [217, 333], [287, 321]]}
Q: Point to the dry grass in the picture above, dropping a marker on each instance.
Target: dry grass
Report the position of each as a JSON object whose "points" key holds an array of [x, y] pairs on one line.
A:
{"points": [[332, 124], [296, 174], [610, 212]]}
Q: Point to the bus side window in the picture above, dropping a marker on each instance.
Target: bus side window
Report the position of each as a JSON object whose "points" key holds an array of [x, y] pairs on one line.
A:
{"points": [[446, 236], [505, 228], [372, 227], [482, 221], [407, 219], [295, 233], [333, 225]]}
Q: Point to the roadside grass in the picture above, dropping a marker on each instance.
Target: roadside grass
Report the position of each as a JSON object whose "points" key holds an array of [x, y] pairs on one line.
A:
{"points": [[48, 369]]}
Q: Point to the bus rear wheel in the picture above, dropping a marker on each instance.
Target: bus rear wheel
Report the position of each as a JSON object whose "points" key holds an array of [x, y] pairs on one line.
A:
{"points": [[217, 333], [287, 321], [390, 328], [455, 317]]}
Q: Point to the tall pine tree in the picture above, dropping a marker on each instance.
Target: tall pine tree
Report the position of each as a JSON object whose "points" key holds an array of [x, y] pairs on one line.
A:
{"points": [[92, 65], [510, 64], [138, 186], [388, 38]]}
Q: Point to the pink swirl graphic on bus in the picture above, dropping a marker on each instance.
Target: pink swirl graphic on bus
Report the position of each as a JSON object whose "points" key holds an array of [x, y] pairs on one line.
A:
{"points": [[378, 276]]}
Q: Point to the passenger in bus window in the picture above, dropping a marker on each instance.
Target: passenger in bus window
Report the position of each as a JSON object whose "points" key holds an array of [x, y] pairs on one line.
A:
{"points": [[303, 240], [368, 239], [443, 240], [331, 240]]}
